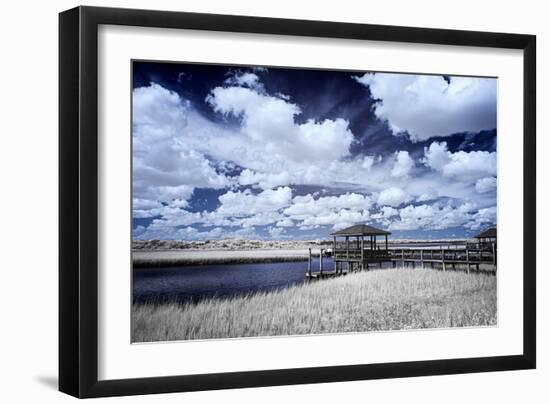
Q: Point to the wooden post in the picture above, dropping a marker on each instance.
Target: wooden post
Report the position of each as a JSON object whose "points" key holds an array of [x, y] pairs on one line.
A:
{"points": [[347, 247], [403, 258], [443, 258], [494, 254], [467, 259], [362, 250], [309, 263], [321, 263], [422, 258]]}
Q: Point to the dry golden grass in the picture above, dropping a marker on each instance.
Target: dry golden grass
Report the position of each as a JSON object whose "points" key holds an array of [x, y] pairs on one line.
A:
{"points": [[393, 299]]}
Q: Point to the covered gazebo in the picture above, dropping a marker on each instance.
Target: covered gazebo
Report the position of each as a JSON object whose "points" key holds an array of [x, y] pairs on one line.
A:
{"points": [[359, 247]]}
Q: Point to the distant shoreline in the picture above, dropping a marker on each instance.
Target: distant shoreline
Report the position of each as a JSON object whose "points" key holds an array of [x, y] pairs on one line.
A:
{"points": [[148, 259]]}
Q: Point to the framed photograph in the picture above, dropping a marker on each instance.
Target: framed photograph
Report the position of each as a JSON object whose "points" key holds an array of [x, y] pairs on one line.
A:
{"points": [[251, 201]]}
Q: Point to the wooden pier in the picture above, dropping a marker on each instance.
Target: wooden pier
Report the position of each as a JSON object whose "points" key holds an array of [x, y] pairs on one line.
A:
{"points": [[358, 254]]}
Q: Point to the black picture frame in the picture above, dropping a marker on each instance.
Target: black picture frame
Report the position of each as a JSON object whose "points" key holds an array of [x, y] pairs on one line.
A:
{"points": [[78, 201]]}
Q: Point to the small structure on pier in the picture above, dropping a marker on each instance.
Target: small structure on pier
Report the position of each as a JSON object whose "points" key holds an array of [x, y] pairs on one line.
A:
{"points": [[488, 236], [359, 247]]}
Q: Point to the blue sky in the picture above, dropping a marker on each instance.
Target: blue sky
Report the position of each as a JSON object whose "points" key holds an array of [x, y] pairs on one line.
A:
{"points": [[252, 152]]}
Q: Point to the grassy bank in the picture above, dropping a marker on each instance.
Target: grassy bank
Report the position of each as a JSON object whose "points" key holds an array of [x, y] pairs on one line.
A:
{"points": [[369, 301]]}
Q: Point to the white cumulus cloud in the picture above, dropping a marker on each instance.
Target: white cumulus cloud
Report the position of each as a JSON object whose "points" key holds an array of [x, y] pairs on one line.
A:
{"points": [[306, 205], [403, 164], [427, 106], [164, 167], [486, 184], [434, 216], [245, 79], [393, 196], [461, 164], [246, 203], [270, 121]]}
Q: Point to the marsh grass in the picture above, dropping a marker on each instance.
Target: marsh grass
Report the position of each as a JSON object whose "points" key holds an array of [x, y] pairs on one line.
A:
{"points": [[392, 299]]}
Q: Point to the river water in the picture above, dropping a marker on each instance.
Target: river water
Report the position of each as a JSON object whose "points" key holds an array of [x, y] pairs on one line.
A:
{"points": [[193, 283]]}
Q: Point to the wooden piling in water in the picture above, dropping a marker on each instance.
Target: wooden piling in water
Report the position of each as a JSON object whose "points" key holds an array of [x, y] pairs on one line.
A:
{"points": [[309, 263], [321, 263]]}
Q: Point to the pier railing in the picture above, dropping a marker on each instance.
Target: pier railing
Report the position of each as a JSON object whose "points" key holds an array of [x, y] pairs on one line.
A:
{"points": [[355, 254], [471, 255], [466, 256]]}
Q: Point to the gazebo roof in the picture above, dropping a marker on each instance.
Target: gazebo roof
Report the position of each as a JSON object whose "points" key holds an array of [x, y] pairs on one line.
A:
{"points": [[361, 230], [489, 233]]}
